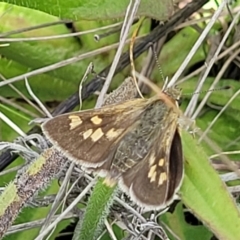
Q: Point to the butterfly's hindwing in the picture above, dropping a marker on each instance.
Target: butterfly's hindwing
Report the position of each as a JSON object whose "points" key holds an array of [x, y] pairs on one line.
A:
{"points": [[147, 182]]}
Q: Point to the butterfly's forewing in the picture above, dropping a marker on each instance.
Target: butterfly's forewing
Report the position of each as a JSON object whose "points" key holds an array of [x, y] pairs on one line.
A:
{"points": [[90, 137]]}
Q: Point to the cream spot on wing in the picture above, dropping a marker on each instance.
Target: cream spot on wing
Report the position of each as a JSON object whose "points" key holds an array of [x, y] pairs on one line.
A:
{"points": [[96, 120], [75, 121], [151, 160], [97, 134], [87, 134], [110, 182], [161, 162], [152, 173], [162, 178], [112, 133]]}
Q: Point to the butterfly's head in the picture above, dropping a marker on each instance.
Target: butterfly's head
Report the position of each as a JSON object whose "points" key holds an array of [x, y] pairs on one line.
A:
{"points": [[174, 93]]}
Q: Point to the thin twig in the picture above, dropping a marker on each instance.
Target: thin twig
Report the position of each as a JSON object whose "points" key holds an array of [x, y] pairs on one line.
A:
{"points": [[126, 26]]}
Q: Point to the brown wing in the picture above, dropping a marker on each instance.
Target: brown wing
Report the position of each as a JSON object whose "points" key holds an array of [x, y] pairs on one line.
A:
{"points": [[175, 167], [153, 182], [90, 137]]}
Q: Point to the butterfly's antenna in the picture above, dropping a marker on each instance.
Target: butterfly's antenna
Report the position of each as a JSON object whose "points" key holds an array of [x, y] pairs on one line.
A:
{"points": [[160, 69], [205, 91]]}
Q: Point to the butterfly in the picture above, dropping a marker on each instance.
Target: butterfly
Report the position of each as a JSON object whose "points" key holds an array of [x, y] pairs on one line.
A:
{"points": [[136, 142]]}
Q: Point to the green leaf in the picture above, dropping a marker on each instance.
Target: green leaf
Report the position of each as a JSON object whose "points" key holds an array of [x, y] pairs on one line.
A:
{"points": [[45, 87], [176, 222], [20, 119], [206, 195], [97, 9], [37, 54]]}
